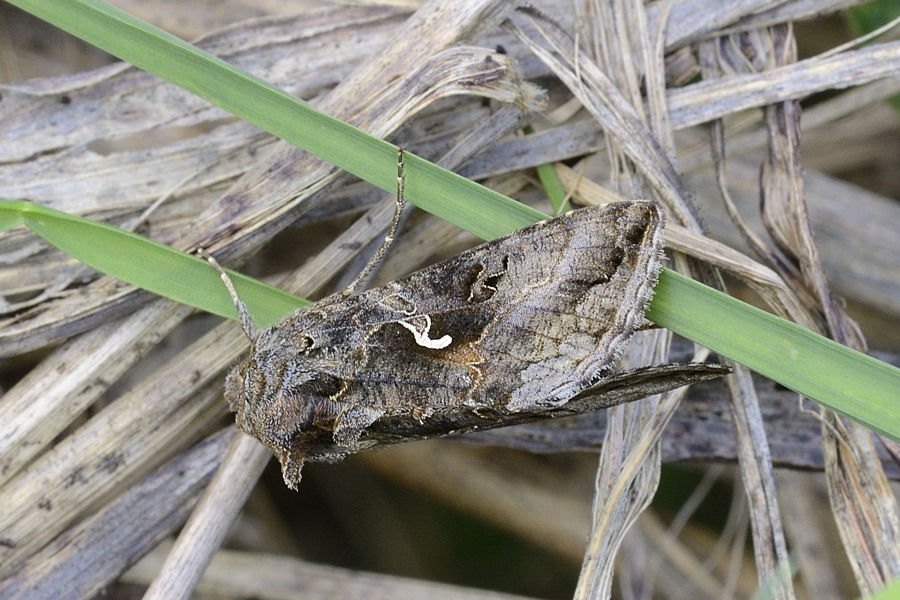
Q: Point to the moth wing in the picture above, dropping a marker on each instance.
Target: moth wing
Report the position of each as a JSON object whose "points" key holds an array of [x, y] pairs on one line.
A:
{"points": [[526, 320]]}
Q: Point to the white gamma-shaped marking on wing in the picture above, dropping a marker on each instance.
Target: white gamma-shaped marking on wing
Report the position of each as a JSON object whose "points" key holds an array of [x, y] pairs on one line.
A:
{"points": [[422, 337]]}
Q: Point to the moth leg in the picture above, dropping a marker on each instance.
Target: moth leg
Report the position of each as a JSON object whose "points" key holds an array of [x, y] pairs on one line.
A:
{"points": [[350, 424], [391, 233]]}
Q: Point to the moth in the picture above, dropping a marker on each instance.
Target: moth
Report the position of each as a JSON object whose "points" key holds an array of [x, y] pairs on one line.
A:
{"points": [[523, 322]]}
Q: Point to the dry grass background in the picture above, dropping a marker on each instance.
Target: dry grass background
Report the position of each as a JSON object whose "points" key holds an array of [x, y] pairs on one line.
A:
{"points": [[113, 414]]}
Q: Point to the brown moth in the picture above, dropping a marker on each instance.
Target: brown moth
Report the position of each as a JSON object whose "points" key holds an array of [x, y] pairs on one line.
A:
{"points": [[525, 321]]}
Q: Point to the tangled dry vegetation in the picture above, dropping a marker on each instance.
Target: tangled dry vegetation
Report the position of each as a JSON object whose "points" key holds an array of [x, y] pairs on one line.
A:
{"points": [[113, 423]]}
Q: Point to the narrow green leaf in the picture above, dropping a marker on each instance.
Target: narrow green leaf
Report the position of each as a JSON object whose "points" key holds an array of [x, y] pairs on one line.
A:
{"points": [[149, 265], [889, 592], [447, 195], [553, 187], [11, 218], [842, 379]]}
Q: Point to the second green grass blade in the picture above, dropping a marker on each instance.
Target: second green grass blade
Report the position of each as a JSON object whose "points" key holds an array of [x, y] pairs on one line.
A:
{"points": [[148, 264]]}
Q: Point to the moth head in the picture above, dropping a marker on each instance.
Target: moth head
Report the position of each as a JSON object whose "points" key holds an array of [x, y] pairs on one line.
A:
{"points": [[255, 388], [278, 390], [266, 417]]}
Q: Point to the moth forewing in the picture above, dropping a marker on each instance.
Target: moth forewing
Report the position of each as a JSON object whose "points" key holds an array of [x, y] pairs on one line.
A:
{"points": [[525, 321]]}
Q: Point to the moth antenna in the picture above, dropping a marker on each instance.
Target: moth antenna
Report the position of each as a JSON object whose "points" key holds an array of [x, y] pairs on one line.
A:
{"points": [[247, 323], [391, 233]]}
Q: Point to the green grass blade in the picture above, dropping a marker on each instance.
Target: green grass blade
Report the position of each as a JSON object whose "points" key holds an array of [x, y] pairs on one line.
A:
{"points": [[11, 216], [553, 187], [842, 379], [149, 265], [447, 195], [889, 592]]}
